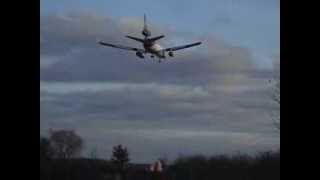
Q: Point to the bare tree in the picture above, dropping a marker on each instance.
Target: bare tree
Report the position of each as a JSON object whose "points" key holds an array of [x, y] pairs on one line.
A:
{"points": [[93, 154], [66, 143], [276, 98]]}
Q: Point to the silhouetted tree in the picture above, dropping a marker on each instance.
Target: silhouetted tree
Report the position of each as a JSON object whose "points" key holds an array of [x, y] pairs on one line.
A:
{"points": [[120, 158], [264, 166], [46, 155], [46, 151], [93, 154], [66, 143]]}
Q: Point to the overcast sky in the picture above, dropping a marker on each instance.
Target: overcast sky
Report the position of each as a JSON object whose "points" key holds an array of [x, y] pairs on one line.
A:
{"points": [[210, 99]]}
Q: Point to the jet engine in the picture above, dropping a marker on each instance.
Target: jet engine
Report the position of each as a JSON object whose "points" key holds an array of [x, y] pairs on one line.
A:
{"points": [[170, 53], [146, 33], [139, 54]]}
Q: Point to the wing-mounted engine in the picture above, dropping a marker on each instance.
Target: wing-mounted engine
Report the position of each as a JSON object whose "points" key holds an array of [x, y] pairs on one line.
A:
{"points": [[139, 54], [170, 53]]}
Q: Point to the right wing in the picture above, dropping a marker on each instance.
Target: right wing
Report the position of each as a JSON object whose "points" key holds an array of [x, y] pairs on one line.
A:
{"points": [[156, 38], [121, 47], [182, 47]]}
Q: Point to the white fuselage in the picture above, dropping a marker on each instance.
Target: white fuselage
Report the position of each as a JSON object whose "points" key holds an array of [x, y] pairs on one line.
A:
{"points": [[154, 49]]}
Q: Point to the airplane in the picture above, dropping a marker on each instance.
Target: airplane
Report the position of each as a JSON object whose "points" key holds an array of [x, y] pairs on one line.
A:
{"points": [[150, 45]]}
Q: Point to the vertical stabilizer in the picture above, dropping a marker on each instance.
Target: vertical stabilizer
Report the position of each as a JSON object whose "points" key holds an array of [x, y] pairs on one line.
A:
{"points": [[145, 22], [145, 30]]}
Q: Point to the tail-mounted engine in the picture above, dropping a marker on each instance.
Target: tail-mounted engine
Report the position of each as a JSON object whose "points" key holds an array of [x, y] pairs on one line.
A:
{"points": [[146, 33]]}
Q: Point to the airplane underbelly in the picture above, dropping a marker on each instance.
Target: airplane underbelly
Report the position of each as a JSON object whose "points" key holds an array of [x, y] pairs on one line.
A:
{"points": [[156, 48]]}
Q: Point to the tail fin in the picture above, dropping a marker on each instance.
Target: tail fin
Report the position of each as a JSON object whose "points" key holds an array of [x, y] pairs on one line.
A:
{"points": [[145, 30], [145, 22]]}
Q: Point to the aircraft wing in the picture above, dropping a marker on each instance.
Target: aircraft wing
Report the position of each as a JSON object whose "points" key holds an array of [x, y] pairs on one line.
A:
{"points": [[121, 47], [182, 47]]}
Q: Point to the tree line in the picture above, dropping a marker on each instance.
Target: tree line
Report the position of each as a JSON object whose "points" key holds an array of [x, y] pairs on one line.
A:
{"points": [[60, 159]]}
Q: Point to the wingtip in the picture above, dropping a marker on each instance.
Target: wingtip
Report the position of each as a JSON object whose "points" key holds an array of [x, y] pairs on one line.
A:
{"points": [[98, 41], [197, 43]]}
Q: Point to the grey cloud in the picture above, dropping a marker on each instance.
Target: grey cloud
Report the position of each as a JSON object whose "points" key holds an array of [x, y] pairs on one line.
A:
{"points": [[198, 108], [81, 59]]}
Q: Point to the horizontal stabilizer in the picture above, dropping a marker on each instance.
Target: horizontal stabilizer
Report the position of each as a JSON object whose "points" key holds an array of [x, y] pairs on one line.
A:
{"points": [[135, 38], [156, 38], [122, 47]]}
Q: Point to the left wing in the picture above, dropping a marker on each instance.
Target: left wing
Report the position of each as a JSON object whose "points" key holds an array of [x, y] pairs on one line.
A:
{"points": [[182, 47], [121, 47]]}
